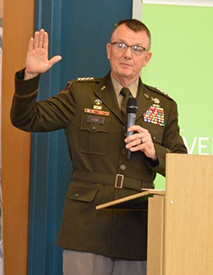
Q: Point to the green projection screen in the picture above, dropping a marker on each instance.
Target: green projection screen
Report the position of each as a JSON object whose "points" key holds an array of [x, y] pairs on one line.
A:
{"points": [[182, 66]]}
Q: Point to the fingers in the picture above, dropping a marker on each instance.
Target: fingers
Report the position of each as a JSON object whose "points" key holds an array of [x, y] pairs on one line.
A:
{"points": [[141, 140], [54, 60], [36, 40], [37, 60], [139, 133], [45, 40], [136, 142], [139, 137], [30, 45], [40, 40]]}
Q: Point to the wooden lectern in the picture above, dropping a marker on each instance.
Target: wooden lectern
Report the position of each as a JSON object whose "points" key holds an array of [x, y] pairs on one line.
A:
{"points": [[180, 219]]}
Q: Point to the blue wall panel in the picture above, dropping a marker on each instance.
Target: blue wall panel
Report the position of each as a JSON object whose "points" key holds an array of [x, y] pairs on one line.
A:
{"points": [[79, 31]]}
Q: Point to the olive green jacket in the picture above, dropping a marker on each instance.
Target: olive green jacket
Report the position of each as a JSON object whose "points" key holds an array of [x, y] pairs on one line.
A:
{"points": [[88, 111]]}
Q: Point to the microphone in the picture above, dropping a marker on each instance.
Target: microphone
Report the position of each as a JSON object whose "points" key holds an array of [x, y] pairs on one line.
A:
{"points": [[131, 109]]}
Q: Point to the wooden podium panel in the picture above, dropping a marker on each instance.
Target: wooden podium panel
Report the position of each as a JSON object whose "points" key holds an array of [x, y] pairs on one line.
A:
{"points": [[180, 219], [188, 244], [155, 242]]}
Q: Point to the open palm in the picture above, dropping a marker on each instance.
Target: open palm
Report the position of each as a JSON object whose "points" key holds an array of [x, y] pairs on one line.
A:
{"points": [[37, 56]]}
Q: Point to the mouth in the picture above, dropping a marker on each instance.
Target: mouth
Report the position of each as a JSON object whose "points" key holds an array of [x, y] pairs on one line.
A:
{"points": [[127, 65]]}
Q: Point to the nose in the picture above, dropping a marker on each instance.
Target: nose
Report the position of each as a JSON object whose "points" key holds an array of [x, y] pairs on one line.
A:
{"points": [[128, 53]]}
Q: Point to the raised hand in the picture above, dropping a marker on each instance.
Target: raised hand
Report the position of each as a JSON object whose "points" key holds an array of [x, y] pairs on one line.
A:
{"points": [[37, 56]]}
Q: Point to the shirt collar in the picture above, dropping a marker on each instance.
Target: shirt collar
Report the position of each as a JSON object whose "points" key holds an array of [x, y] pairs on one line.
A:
{"points": [[133, 87]]}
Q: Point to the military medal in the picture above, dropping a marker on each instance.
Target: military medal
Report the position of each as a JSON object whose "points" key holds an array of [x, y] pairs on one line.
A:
{"points": [[97, 104], [155, 100], [155, 115], [96, 112]]}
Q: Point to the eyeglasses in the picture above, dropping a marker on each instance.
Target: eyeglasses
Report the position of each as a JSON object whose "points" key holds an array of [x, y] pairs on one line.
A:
{"points": [[122, 47]]}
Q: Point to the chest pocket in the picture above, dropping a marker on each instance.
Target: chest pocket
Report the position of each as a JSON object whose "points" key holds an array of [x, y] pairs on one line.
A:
{"points": [[94, 134]]}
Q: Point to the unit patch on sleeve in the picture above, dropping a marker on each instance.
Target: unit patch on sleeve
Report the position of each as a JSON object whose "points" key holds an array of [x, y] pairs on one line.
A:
{"points": [[67, 88]]}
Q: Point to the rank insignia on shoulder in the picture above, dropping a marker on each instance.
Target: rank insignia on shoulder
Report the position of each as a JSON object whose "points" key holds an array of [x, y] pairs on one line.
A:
{"points": [[155, 115], [96, 112], [162, 92], [85, 79], [159, 91]]}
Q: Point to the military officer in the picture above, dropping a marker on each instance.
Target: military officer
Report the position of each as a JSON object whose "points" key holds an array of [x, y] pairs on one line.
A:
{"points": [[103, 242]]}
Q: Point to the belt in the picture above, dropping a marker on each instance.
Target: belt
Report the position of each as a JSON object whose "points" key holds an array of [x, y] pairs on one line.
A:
{"points": [[118, 181]]}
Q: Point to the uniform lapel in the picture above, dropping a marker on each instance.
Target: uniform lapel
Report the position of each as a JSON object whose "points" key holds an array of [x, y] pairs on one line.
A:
{"points": [[107, 95], [144, 101]]}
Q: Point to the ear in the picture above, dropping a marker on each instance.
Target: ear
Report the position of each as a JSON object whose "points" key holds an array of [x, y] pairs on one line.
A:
{"points": [[147, 58], [108, 50]]}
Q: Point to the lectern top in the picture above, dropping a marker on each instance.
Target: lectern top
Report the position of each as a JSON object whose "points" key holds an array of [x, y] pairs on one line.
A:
{"points": [[136, 201]]}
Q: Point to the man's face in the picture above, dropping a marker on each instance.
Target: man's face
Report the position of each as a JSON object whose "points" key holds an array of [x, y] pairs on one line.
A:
{"points": [[126, 65]]}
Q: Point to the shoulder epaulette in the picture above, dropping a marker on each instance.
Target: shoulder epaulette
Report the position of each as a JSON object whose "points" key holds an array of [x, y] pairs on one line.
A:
{"points": [[87, 79], [81, 80], [158, 91]]}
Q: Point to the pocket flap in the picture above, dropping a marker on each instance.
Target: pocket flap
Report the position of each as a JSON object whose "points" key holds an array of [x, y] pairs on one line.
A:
{"points": [[82, 192]]}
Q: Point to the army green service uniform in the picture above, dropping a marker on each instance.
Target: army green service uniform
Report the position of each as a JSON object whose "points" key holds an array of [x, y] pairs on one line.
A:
{"points": [[89, 113]]}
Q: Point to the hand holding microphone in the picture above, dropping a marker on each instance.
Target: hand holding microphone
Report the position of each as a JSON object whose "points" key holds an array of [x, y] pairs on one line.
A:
{"points": [[138, 138], [131, 109]]}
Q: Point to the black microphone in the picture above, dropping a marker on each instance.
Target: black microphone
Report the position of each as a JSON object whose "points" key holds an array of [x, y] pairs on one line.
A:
{"points": [[131, 109]]}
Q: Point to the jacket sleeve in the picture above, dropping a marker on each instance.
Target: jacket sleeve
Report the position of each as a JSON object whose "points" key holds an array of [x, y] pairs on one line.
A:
{"points": [[48, 115]]}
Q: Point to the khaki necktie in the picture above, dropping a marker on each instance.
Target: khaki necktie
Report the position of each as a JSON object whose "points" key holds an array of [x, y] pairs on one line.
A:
{"points": [[125, 92]]}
